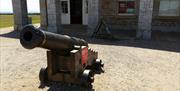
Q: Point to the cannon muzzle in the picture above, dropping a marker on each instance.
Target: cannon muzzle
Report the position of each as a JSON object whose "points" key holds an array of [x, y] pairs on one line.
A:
{"points": [[31, 37]]}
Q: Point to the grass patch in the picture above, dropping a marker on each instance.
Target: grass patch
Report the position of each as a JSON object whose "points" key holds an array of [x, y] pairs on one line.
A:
{"points": [[8, 20], [35, 18]]}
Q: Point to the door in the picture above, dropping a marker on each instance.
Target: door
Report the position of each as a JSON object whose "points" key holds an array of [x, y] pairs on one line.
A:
{"points": [[76, 11]]}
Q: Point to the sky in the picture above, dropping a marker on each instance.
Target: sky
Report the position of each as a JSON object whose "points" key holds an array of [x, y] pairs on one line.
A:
{"points": [[6, 6]]}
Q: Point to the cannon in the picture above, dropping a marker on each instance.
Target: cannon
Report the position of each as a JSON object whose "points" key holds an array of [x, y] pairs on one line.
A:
{"points": [[69, 59]]}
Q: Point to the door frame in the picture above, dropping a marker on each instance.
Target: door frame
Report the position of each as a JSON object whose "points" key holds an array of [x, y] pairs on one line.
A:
{"points": [[66, 18]]}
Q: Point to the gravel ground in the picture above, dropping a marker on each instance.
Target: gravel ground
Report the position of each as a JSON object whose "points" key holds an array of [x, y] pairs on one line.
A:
{"points": [[127, 68]]}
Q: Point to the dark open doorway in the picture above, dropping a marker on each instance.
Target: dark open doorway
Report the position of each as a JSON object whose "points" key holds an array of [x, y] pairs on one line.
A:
{"points": [[76, 11]]}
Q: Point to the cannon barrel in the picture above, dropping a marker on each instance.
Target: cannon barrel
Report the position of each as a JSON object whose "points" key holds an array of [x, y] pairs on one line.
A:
{"points": [[31, 37]]}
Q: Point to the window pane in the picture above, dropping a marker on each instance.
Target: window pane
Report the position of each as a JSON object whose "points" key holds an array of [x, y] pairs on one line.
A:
{"points": [[127, 6], [164, 6], [122, 7], [130, 4], [86, 6], [64, 5], [130, 7], [169, 7], [174, 7]]}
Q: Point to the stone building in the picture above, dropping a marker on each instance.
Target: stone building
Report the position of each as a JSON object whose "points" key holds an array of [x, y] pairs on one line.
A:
{"points": [[142, 16]]}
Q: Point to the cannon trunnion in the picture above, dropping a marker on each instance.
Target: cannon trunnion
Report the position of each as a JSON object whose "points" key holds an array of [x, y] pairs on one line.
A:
{"points": [[69, 59]]}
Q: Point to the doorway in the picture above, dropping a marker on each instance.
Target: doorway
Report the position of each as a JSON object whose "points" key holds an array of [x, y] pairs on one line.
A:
{"points": [[76, 11]]}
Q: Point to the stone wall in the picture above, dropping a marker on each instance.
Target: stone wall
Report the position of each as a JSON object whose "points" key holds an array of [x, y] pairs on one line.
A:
{"points": [[54, 16], [145, 19], [165, 25], [109, 12], [93, 15], [20, 14], [43, 14]]}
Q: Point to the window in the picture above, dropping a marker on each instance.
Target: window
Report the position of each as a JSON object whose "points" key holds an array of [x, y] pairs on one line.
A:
{"points": [[86, 6], [64, 5], [169, 8], [126, 6]]}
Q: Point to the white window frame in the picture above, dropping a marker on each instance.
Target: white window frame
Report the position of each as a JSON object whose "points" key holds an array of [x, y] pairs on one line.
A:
{"points": [[168, 14]]}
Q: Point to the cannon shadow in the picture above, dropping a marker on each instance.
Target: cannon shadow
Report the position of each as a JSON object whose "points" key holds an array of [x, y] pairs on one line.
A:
{"points": [[11, 34], [59, 86], [62, 86]]}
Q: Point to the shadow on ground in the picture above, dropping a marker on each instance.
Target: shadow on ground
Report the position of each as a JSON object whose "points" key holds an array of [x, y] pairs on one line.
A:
{"points": [[150, 44], [57, 86], [62, 86], [166, 42], [12, 34]]}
